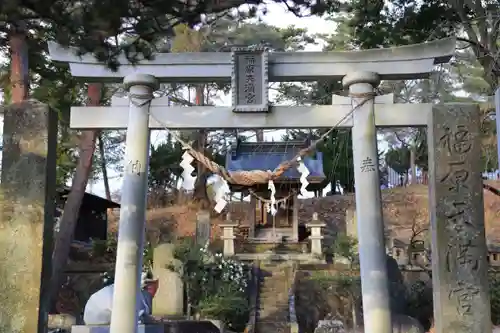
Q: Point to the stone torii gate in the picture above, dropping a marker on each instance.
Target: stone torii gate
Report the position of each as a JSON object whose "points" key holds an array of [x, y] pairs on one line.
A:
{"points": [[249, 72]]}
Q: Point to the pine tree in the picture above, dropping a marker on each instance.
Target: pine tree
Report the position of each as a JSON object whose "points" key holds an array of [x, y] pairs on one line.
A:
{"points": [[476, 23]]}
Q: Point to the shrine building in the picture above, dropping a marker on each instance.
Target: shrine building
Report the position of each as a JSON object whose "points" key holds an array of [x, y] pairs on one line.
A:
{"points": [[284, 226]]}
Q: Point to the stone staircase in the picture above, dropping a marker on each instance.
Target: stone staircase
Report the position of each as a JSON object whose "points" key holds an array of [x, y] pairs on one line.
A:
{"points": [[272, 316]]}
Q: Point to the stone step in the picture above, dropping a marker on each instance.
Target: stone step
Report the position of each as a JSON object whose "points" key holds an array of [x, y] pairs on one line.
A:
{"points": [[272, 328], [272, 320], [268, 308], [273, 290], [275, 268], [273, 316], [275, 307], [273, 298], [272, 301], [275, 277], [273, 281], [277, 289], [276, 296]]}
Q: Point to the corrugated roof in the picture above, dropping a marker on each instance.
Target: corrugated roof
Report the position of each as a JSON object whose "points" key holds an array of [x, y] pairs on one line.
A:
{"points": [[267, 156]]}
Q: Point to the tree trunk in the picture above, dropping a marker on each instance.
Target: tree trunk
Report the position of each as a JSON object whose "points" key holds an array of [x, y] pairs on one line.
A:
{"points": [[104, 170], [104, 167], [413, 166], [72, 206], [19, 74], [200, 185], [354, 312]]}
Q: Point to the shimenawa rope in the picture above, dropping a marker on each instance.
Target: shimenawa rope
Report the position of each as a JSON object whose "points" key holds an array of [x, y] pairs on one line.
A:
{"points": [[253, 177]]}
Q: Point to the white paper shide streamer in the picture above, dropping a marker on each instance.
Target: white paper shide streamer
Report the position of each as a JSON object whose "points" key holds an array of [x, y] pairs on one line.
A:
{"points": [[219, 194], [304, 172], [187, 167], [272, 206]]}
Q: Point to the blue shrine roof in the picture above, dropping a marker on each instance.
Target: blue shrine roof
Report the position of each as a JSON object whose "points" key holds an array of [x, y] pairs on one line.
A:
{"points": [[249, 156]]}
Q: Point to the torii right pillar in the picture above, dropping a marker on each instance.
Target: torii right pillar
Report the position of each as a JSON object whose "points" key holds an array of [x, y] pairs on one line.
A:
{"points": [[372, 256]]}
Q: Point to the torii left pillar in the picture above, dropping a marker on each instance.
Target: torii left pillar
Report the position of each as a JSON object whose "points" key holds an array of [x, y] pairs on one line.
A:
{"points": [[133, 205], [372, 256]]}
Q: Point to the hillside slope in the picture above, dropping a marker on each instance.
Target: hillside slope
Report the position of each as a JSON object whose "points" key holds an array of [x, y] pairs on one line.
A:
{"points": [[403, 207]]}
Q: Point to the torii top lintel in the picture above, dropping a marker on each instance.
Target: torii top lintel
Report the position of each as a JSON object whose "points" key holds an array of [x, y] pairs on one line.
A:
{"points": [[397, 63]]}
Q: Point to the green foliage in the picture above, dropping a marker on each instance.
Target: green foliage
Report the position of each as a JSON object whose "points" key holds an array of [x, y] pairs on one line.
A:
{"points": [[105, 251], [216, 286], [398, 159], [419, 302], [495, 297], [344, 283], [400, 22], [337, 147], [228, 305], [422, 153], [346, 246], [164, 168], [337, 154], [108, 28], [381, 23], [226, 32]]}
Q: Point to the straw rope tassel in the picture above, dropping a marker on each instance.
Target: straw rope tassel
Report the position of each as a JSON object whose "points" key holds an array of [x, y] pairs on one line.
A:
{"points": [[272, 188], [187, 167], [219, 194], [304, 172]]}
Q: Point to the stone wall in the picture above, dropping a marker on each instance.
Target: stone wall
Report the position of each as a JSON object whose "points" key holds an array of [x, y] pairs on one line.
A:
{"points": [[27, 201]]}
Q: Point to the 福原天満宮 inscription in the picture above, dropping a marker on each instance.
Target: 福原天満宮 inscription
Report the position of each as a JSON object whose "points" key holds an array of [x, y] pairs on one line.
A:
{"points": [[249, 80], [456, 176], [459, 266], [463, 250], [464, 294], [456, 140], [459, 255]]}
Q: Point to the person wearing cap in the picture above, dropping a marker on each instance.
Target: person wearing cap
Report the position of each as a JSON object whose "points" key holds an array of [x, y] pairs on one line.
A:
{"points": [[100, 304]]}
